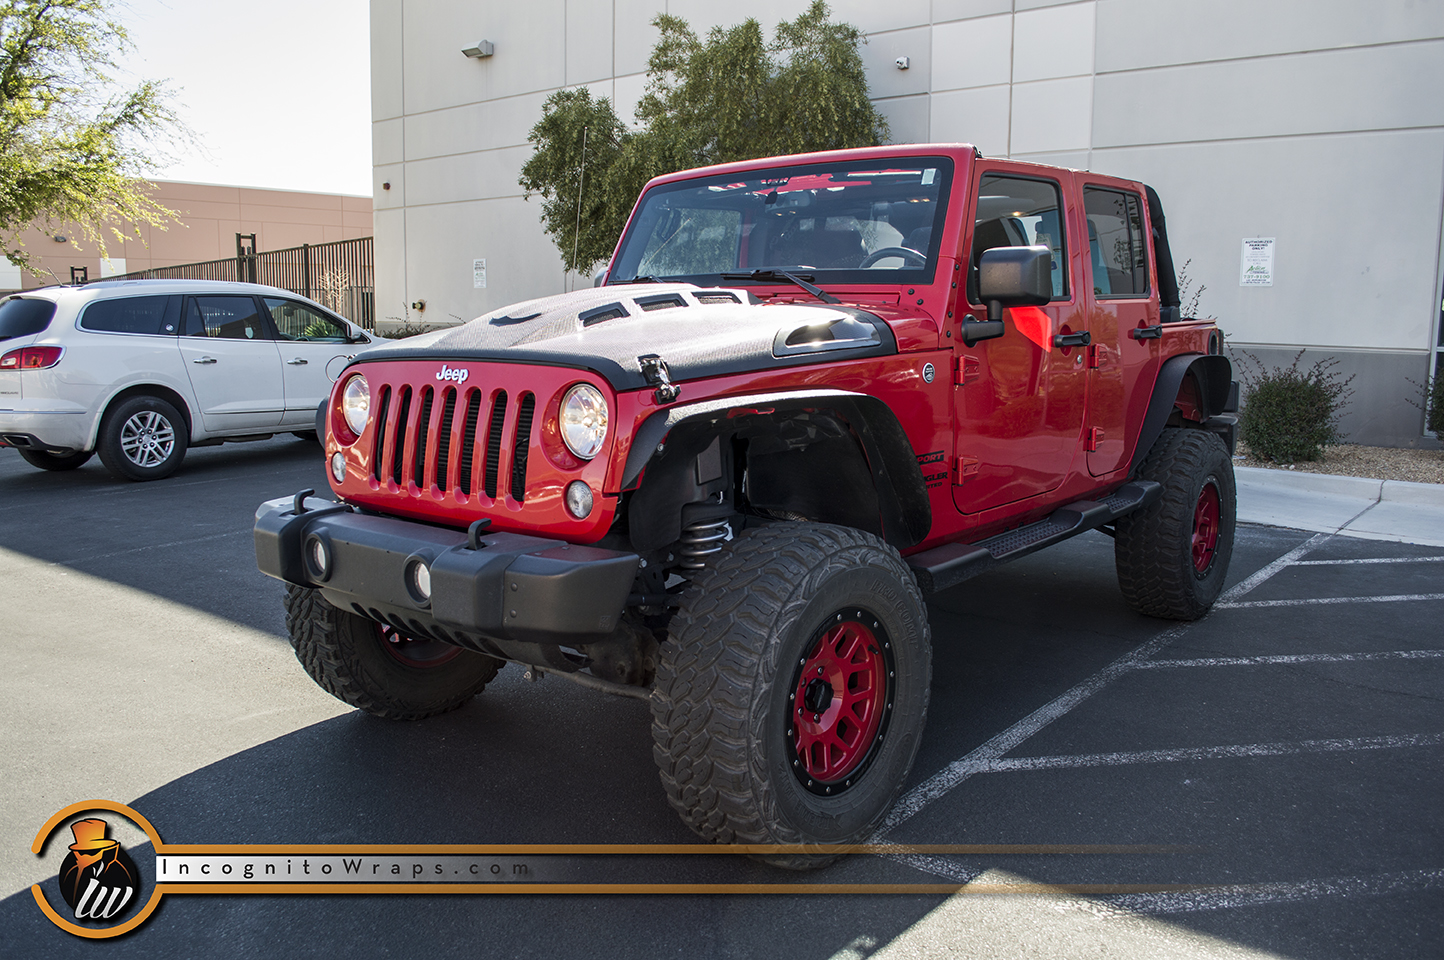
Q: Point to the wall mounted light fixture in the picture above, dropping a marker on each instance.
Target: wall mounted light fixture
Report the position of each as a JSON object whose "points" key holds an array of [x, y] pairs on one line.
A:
{"points": [[483, 48]]}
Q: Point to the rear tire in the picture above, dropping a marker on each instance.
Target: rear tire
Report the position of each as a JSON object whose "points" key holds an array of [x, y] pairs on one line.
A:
{"points": [[376, 669], [792, 690], [143, 438], [1172, 557], [51, 461]]}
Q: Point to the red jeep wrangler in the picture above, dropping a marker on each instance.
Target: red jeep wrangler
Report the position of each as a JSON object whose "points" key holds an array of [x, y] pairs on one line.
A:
{"points": [[812, 391]]}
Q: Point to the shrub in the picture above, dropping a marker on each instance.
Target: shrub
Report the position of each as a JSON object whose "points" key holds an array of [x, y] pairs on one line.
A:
{"points": [[1291, 414], [404, 328], [1431, 401]]}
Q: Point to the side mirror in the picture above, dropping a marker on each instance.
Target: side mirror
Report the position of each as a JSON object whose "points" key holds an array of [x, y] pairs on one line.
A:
{"points": [[1015, 277]]}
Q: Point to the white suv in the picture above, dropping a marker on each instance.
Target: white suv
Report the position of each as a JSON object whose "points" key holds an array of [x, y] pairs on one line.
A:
{"points": [[139, 370]]}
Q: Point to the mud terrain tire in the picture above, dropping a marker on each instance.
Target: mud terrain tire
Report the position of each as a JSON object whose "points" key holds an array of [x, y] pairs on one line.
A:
{"points": [[820, 614], [1172, 557], [361, 662]]}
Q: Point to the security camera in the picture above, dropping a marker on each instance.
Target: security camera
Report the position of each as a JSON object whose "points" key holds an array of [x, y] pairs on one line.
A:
{"points": [[902, 63]]}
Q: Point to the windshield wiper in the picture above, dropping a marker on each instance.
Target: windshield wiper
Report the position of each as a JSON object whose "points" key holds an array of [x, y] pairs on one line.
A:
{"points": [[816, 291], [642, 278]]}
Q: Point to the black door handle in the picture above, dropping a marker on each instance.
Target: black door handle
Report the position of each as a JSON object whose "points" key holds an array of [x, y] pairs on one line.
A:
{"points": [[1073, 339], [1147, 333]]}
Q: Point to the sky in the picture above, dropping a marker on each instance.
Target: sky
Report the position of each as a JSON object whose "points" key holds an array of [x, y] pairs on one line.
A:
{"points": [[277, 93]]}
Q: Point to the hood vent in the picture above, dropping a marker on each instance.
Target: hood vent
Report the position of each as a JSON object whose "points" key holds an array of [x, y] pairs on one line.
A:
{"points": [[607, 311], [664, 301]]}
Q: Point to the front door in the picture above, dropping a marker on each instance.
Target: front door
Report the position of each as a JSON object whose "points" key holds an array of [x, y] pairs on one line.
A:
{"points": [[234, 366], [313, 347], [1019, 399]]}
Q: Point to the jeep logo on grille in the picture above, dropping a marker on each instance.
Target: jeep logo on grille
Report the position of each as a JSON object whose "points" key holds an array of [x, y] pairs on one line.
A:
{"points": [[448, 373]]}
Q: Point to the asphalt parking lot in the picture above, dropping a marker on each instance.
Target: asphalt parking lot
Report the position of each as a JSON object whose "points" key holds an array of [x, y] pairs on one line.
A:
{"points": [[1288, 750]]}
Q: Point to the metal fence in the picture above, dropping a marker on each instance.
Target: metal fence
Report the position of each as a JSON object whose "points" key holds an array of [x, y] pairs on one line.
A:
{"points": [[339, 275]]}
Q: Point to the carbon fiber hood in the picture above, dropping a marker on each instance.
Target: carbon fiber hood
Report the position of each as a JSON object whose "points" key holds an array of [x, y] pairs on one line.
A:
{"points": [[699, 332]]}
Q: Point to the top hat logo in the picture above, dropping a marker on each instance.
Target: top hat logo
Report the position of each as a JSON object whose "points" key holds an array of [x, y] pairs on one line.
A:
{"points": [[97, 878]]}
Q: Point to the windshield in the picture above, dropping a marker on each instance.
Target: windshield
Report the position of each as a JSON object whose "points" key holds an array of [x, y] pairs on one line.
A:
{"points": [[862, 222], [24, 316]]}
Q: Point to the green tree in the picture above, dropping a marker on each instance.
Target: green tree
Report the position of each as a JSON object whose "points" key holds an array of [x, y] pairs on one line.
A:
{"points": [[72, 144], [731, 97]]}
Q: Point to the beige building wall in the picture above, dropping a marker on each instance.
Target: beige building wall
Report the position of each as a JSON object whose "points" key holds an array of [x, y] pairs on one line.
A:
{"points": [[210, 216], [1313, 122]]}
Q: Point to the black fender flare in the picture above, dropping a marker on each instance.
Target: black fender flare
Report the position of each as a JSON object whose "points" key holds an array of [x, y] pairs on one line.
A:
{"points": [[1212, 374], [898, 480]]}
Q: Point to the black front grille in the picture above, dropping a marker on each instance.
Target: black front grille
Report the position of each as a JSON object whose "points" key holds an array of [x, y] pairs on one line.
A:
{"points": [[468, 441], [423, 427], [493, 444], [442, 463], [379, 453], [520, 445], [403, 423], [418, 439]]}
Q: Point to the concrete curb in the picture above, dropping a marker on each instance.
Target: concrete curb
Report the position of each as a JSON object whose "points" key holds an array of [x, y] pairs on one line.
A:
{"points": [[1350, 506]]}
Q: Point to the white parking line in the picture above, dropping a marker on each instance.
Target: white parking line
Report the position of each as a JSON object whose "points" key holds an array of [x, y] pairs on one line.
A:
{"points": [[1254, 894], [1291, 658], [1316, 601], [1350, 563], [960, 770], [154, 546], [1283, 749]]}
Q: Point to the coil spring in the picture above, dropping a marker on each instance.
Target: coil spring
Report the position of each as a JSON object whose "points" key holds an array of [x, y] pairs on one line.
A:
{"points": [[700, 541]]}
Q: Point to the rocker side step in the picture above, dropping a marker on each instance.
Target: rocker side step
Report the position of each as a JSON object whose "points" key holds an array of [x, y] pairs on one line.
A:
{"points": [[952, 563]]}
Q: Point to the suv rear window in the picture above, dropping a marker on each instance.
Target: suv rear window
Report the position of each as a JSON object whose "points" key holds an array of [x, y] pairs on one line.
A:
{"points": [[132, 315], [24, 316]]}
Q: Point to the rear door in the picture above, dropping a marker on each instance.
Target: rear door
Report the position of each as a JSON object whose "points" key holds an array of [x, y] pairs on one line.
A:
{"points": [[233, 364], [1123, 307]]}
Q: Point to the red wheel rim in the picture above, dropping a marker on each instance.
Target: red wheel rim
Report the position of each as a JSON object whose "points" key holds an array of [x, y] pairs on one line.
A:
{"points": [[1205, 527], [414, 652], [839, 702]]}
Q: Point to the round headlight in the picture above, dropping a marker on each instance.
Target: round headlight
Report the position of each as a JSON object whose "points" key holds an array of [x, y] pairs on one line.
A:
{"points": [[584, 420], [356, 403]]}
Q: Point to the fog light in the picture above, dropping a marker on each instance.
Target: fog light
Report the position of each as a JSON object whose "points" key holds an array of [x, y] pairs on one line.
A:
{"points": [[338, 466], [320, 555], [579, 499], [421, 580]]}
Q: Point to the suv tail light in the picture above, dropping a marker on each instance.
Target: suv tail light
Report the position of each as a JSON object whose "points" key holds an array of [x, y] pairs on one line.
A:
{"points": [[31, 358]]}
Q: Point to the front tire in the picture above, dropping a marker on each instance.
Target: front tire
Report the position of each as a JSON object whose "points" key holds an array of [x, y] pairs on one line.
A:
{"points": [[792, 690], [1172, 557], [377, 669], [144, 438], [52, 461]]}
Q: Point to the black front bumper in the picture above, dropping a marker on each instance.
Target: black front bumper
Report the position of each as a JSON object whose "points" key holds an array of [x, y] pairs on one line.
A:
{"points": [[511, 590]]}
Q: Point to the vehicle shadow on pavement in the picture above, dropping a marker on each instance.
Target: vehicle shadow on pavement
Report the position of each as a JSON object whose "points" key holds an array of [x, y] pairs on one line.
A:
{"points": [[472, 777], [186, 538]]}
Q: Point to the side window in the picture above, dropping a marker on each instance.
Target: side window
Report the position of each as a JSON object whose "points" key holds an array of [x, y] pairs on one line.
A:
{"points": [[1015, 212], [155, 315], [296, 321], [1116, 250], [224, 318]]}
